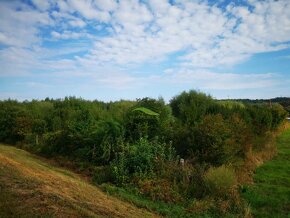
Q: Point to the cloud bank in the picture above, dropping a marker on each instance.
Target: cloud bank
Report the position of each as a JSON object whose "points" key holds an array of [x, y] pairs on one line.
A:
{"points": [[111, 41]]}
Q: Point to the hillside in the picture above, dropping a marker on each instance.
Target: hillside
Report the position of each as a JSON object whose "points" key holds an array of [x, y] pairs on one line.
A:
{"points": [[30, 187]]}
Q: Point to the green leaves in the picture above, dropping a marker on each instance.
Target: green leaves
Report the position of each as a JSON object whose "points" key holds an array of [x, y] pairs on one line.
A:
{"points": [[146, 111]]}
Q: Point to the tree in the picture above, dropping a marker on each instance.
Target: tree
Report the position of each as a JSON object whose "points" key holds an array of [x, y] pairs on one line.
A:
{"points": [[38, 128], [211, 137], [149, 118], [190, 107], [105, 141]]}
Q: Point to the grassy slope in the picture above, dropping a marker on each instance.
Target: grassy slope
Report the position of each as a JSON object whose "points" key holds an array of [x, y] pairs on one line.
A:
{"points": [[30, 187], [270, 195]]}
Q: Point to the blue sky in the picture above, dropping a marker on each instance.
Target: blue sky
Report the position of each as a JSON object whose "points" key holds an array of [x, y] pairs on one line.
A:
{"points": [[127, 49]]}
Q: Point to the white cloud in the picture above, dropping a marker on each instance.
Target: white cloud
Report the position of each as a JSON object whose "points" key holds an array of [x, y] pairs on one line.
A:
{"points": [[144, 32], [124, 35], [38, 61], [106, 5], [17, 61], [159, 6], [209, 36], [41, 5], [77, 23], [119, 81], [131, 12], [222, 81], [87, 9], [20, 27], [69, 35]]}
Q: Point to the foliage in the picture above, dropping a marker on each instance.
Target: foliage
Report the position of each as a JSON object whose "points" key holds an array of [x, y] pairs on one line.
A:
{"points": [[10, 132], [146, 111], [191, 107], [278, 115], [102, 175], [140, 143], [142, 120], [105, 137], [231, 104], [220, 181], [140, 160], [211, 139], [159, 190]]}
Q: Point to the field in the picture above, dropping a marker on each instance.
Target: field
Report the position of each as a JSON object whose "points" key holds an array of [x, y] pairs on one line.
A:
{"points": [[270, 195], [30, 187]]}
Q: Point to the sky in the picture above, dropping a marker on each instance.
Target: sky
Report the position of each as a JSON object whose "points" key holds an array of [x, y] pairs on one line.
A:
{"points": [[127, 49]]}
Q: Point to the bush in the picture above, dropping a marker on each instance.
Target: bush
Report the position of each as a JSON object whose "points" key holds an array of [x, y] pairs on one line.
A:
{"points": [[190, 107], [148, 118], [105, 141], [220, 181], [201, 206], [102, 175], [211, 140], [120, 172], [159, 190], [240, 140], [278, 115], [261, 118], [141, 159], [53, 143]]}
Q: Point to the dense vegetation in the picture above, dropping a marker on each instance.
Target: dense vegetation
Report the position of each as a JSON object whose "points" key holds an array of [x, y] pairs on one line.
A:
{"points": [[284, 101], [270, 195], [140, 145]]}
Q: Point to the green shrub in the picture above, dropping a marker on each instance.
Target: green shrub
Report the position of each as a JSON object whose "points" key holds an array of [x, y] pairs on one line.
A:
{"points": [[278, 115], [211, 140], [261, 118], [105, 140], [197, 188], [148, 118], [120, 172], [190, 107], [142, 159], [102, 175], [54, 143], [220, 181]]}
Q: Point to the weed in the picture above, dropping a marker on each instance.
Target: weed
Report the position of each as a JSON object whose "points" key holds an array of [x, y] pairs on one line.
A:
{"points": [[220, 181]]}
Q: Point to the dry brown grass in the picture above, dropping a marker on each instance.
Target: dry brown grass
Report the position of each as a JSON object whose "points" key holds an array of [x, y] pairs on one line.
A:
{"points": [[52, 191]]}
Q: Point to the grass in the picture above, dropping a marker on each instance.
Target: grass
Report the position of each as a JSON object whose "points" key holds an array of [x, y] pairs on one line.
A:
{"points": [[164, 209], [169, 209], [270, 194], [30, 187]]}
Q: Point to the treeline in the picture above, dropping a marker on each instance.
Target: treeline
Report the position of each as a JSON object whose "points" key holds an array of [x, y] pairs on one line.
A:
{"points": [[283, 101], [184, 151]]}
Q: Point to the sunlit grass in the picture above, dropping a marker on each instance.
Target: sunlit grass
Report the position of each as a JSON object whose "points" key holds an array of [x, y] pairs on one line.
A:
{"points": [[33, 188], [164, 209], [270, 195]]}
